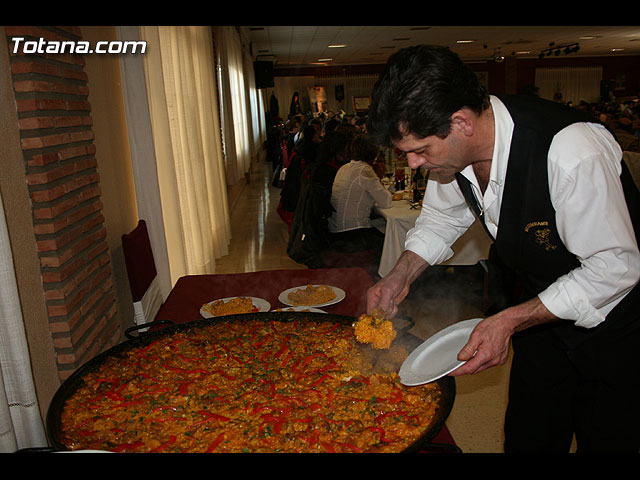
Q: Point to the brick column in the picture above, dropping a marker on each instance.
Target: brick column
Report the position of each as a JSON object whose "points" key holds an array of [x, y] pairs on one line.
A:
{"points": [[64, 185]]}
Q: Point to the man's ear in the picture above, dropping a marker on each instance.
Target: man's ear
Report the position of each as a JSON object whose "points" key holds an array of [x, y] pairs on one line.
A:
{"points": [[463, 122]]}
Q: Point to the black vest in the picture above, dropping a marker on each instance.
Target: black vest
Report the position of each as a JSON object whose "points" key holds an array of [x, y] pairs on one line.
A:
{"points": [[528, 252]]}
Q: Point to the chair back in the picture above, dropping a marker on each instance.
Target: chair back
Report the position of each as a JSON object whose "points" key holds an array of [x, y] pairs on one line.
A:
{"points": [[142, 274]]}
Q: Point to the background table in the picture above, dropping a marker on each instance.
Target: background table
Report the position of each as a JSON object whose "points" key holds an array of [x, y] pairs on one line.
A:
{"points": [[192, 291], [469, 249]]}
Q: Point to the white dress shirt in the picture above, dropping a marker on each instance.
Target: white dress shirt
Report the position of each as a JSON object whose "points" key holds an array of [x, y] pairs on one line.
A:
{"points": [[591, 215], [356, 189]]}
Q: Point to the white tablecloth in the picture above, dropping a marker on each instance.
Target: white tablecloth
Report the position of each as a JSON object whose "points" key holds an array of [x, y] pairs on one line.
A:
{"points": [[469, 249]]}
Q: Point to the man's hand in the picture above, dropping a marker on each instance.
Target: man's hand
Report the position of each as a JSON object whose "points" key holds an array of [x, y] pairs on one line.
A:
{"points": [[390, 291], [488, 345]]}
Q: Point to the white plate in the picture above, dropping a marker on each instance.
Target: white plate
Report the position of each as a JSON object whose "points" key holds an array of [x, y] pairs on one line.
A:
{"points": [[437, 356], [284, 296], [261, 303], [299, 308]]}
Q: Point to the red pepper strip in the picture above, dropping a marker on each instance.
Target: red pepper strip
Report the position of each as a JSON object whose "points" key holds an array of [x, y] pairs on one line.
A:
{"points": [[286, 359], [144, 375], [333, 328], [278, 422], [328, 447], [210, 416], [360, 379], [320, 380], [159, 448], [381, 431], [182, 370], [229, 355], [92, 419], [313, 439], [260, 343], [162, 420], [187, 359], [332, 363], [147, 348], [85, 433], [126, 404], [215, 443], [184, 388], [302, 420], [114, 394], [108, 380], [295, 365], [127, 446], [283, 348], [165, 407], [330, 397], [147, 392], [265, 355], [350, 446], [331, 420], [228, 377], [381, 417], [310, 358]]}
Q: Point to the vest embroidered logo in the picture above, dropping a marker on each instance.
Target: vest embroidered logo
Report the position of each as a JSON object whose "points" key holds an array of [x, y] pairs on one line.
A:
{"points": [[541, 234]]}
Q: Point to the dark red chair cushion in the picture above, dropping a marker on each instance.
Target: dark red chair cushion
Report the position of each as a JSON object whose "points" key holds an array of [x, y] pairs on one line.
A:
{"points": [[138, 258]]}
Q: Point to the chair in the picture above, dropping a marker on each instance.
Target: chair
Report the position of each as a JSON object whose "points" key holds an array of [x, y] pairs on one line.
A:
{"points": [[141, 270]]}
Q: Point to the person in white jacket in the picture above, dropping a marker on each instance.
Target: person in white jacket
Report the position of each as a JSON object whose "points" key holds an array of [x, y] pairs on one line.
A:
{"points": [[356, 190]]}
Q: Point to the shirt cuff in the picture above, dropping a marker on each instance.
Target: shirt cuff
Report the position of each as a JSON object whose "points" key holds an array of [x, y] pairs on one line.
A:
{"points": [[568, 301]]}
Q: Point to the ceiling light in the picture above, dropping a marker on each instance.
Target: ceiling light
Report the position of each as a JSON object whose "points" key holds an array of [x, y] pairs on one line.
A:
{"points": [[336, 46], [617, 49], [325, 59], [465, 41]]}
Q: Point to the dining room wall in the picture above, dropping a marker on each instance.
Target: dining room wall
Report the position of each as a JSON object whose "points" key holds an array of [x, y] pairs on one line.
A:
{"points": [[511, 76]]}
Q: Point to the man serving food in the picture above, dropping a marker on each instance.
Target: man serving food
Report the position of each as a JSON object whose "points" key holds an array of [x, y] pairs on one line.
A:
{"points": [[551, 189]]}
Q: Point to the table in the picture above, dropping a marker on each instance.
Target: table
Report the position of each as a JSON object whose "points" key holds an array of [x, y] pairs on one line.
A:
{"points": [[469, 249], [191, 291]]}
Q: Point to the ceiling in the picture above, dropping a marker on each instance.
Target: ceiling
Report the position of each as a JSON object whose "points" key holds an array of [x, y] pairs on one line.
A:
{"points": [[289, 46]]}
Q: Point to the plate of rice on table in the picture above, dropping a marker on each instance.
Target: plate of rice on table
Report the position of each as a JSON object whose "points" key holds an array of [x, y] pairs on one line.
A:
{"points": [[234, 306], [312, 296]]}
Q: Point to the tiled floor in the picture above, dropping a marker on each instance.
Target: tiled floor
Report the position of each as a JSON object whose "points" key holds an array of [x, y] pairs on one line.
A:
{"points": [[442, 296]]}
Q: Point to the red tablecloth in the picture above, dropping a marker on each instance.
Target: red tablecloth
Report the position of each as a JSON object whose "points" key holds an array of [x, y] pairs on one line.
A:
{"points": [[192, 291]]}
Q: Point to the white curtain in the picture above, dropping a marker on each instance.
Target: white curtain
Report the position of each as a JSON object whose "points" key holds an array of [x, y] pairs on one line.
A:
{"points": [[181, 85], [574, 83], [20, 421], [236, 103]]}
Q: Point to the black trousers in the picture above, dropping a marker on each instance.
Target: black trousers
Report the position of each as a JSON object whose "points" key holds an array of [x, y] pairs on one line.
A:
{"points": [[592, 390]]}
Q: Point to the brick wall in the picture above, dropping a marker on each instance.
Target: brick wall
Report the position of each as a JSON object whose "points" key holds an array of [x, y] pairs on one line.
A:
{"points": [[64, 185]]}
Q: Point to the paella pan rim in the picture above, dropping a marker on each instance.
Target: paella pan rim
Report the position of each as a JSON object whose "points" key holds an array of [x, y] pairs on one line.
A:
{"points": [[75, 380]]}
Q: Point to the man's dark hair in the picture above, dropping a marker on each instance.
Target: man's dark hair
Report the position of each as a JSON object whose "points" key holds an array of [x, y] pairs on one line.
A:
{"points": [[418, 91]]}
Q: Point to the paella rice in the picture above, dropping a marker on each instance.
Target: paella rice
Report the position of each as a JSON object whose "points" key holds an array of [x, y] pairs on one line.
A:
{"points": [[246, 386]]}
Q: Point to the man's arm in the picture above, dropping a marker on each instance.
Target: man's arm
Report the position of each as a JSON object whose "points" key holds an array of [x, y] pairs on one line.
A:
{"points": [[488, 345]]}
